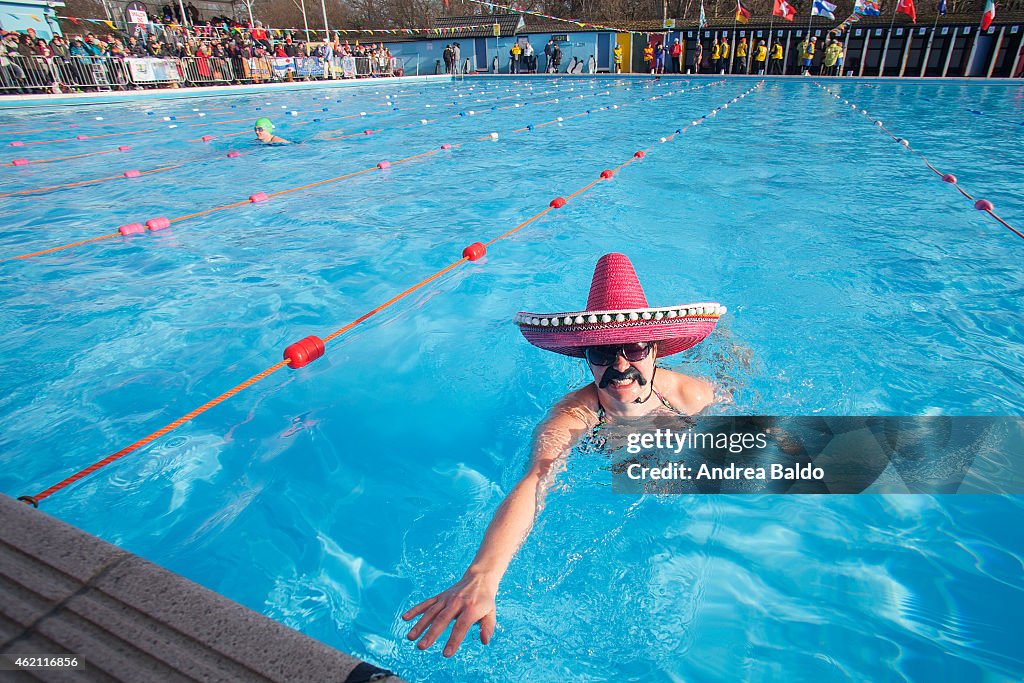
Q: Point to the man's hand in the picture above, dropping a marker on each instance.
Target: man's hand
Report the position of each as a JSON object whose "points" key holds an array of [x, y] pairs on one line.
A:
{"points": [[469, 601]]}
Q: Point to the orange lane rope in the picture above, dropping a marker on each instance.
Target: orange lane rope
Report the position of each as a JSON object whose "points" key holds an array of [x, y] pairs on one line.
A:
{"points": [[92, 137], [73, 156], [149, 438], [82, 183], [979, 204]]}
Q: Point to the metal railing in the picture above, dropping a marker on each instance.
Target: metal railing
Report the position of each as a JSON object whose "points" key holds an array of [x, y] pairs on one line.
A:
{"points": [[35, 74]]}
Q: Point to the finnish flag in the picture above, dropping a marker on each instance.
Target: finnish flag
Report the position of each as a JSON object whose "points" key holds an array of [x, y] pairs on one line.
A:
{"points": [[823, 8]]}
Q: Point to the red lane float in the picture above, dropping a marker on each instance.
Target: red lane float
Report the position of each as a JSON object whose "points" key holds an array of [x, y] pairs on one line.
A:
{"points": [[607, 173], [206, 138], [949, 178], [124, 148], [258, 197], [557, 203], [984, 205], [158, 223], [20, 162], [132, 173], [234, 155], [383, 165], [640, 154], [17, 143], [474, 251], [304, 351], [132, 229], [446, 146]]}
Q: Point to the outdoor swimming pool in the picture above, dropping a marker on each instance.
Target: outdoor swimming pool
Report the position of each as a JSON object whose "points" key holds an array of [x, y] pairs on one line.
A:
{"points": [[334, 497]]}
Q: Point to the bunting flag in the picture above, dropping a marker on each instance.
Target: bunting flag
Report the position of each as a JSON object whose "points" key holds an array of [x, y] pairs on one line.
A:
{"points": [[742, 13], [907, 7], [581, 24], [823, 8], [942, 8], [280, 32], [867, 8], [989, 15], [785, 10], [703, 17]]}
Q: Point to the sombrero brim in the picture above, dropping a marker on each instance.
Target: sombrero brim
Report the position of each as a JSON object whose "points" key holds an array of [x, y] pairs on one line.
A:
{"points": [[675, 328]]}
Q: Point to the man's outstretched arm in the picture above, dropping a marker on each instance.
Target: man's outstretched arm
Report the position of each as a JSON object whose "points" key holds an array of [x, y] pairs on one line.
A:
{"points": [[471, 600]]}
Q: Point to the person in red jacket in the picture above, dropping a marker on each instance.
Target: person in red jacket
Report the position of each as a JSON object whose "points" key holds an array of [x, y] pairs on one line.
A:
{"points": [[675, 64]]}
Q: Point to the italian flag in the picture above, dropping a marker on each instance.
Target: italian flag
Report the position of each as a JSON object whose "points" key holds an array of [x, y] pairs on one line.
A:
{"points": [[989, 15]]}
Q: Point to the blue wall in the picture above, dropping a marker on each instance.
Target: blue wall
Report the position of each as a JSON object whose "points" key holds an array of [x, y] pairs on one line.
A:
{"points": [[426, 52], [21, 15]]}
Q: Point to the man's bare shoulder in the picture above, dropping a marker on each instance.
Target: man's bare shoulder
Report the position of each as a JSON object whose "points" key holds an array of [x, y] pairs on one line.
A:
{"points": [[686, 393], [580, 404]]}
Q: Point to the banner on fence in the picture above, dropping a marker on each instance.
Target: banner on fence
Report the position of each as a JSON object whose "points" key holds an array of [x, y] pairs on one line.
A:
{"points": [[152, 70], [309, 66]]}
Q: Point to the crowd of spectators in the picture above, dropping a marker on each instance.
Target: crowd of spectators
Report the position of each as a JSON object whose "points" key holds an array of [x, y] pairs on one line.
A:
{"points": [[218, 50]]}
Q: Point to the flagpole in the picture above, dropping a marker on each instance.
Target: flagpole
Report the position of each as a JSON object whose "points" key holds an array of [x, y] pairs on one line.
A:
{"points": [[888, 37], [931, 39], [732, 48], [768, 57]]}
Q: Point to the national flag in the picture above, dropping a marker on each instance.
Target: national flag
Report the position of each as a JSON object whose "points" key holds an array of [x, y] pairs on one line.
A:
{"points": [[784, 9], [703, 18], [989, 15], [742, 13], [907, 7], [942, 8], [867, 8], [823, 8]]}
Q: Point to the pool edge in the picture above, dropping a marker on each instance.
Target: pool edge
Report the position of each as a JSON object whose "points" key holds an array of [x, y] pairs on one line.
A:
{"points": [[121, 96], [64, 591]]}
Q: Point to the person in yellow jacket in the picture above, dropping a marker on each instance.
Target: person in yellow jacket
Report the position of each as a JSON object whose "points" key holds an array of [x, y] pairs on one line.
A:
{"points": [[807, 50], [775, 66], [716, 55], [741, 56], [617, 53], [649, 58], [760, 57], [828, 64], [724, 63], [516, 54]]}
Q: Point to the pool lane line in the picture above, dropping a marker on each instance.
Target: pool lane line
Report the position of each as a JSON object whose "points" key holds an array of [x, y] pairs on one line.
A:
{"points": [[979, 204], [107, 124], [83, 138], [409, 111], [82, 183], [466, 114], [31, 162], [234, 205], [311, 348]]}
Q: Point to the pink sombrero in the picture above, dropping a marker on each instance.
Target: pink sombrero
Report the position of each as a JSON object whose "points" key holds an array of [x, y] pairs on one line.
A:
{"points": [[617, 313]]}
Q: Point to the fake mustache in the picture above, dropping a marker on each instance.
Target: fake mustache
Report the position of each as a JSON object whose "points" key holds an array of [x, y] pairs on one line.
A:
{"points": [[611, 374]]}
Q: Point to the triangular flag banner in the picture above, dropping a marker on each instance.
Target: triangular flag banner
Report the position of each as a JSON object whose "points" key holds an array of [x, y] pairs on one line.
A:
{"points": [[907, 7]]}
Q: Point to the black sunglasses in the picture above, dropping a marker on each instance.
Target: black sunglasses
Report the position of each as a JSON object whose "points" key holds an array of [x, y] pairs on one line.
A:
{"points": [[606, 355]]}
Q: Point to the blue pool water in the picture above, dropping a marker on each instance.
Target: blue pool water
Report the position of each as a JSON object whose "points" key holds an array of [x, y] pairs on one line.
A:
{"points": [[334, 497]]}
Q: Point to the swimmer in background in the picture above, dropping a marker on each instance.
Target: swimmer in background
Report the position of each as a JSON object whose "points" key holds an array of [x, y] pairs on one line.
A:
{"points": [[265, 133]]}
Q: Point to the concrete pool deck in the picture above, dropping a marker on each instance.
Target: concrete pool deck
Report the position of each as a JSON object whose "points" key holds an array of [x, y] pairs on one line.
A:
{"points": [[65, 592]]}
